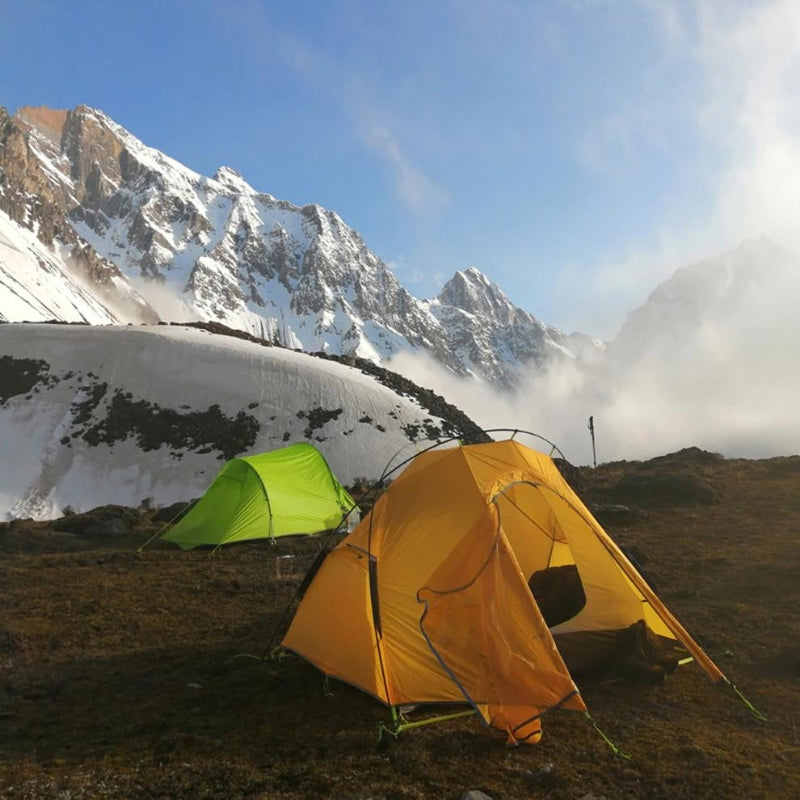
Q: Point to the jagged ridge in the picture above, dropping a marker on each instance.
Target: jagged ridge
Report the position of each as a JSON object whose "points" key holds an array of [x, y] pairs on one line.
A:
{"points": [[227, 253]]}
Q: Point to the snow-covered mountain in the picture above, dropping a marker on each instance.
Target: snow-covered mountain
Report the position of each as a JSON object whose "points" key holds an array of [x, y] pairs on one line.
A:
{"points": [[46, 270], [97, 227], [710, 359], [35, 282], [214, 248], [747, 294], [91, 415]]}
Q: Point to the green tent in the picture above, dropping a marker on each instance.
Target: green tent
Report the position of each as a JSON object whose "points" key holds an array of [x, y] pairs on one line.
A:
{"points": [[283, 492]]}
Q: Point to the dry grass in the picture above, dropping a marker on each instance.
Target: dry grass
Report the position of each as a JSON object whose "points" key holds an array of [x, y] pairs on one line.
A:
{"points": [[126, 674]]}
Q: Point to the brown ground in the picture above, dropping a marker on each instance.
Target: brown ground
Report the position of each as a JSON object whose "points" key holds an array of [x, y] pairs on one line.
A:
{"points": [[128, 675]]}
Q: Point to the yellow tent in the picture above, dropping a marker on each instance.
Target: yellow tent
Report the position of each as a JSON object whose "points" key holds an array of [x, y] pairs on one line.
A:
{"points": [[431, 599]]}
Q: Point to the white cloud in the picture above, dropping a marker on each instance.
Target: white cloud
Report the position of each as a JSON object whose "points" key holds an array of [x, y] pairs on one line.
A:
{"points": [[707, 396], [413, 187], [747, 59], [720, 378], [734, 163], [265, 40], [165, 300], [597, 301], [673, 20], [750, 57], [613, 143]]}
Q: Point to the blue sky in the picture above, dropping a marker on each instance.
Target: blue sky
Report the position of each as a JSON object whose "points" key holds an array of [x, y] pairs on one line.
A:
{"points": [[577, 152]]}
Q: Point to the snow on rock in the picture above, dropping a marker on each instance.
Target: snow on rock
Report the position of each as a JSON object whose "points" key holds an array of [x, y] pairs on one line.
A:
{"points": [[130, 414], [35, 284], [228, 253]]}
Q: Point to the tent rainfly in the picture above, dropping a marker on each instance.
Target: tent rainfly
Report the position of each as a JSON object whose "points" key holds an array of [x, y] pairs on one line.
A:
{"points": [[480, 577], [283, 492]]}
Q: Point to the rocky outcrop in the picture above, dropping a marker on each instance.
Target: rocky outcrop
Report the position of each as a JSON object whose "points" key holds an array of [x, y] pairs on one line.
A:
{"points": [[36, 196], [27, 195]]}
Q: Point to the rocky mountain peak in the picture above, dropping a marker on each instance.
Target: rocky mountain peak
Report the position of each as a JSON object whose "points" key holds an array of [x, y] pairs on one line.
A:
{"points": [[224, 252], [474, 293], [726, 278], [234, 180], [54, 272], [94, 150]]}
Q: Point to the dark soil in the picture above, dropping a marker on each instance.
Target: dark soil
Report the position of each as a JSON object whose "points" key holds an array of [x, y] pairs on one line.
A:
{"points": [[140, 675]]}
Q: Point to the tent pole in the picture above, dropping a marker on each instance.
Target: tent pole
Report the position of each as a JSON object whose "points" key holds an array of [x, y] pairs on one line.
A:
{"points": [[405, 726], [399, 723]]}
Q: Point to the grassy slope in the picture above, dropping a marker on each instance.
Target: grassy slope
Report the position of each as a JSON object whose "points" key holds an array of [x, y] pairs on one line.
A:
{"points": [[126, 675]]}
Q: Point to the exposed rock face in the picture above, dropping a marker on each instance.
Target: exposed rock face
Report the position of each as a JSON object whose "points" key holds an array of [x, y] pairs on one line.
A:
{"points": [[47, 120], [225, 252], [33, 195], [27, 196], [492, 335]]}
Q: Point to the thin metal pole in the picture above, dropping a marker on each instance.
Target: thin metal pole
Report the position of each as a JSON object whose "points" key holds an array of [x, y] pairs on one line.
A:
{"points": [[594, 452]]}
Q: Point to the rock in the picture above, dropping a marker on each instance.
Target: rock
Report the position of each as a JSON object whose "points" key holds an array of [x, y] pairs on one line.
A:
{"points": [[475, 794], [543, 776], [172, 513]]}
